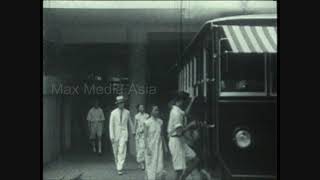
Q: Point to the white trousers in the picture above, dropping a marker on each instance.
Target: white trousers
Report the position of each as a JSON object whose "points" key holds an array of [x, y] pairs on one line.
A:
{"points": [[180, 153], [119, 152]]}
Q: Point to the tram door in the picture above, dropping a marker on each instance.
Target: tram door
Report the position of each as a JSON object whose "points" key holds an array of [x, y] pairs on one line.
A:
{"points": [[209, 95], [205, 106], [196, 78]]}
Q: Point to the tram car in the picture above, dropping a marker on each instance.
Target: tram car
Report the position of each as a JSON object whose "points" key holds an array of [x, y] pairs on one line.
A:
{"points": [[231, 64]]}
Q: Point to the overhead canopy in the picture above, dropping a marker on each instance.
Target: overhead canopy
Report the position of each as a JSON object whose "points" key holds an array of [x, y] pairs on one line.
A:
{"points": [[251, 39]]}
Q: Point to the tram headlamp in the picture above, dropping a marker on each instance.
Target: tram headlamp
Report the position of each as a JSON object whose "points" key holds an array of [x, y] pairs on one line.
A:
{"points": [[242, 138]]}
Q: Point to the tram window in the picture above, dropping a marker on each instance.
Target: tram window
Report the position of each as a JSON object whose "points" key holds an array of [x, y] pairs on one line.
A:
{"points": [[199, 69], [243, 73], [274, 74]]}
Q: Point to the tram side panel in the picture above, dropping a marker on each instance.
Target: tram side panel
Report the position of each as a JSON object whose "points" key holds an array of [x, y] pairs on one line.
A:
{"points": [[258, 119]]}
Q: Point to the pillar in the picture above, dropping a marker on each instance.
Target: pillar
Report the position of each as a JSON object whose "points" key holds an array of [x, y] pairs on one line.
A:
{"points": [[51, 121], [137, 73], [67, 115]]}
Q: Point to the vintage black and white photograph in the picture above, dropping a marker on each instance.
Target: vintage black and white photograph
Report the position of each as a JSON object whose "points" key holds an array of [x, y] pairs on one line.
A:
{"points": [[159, 90]]}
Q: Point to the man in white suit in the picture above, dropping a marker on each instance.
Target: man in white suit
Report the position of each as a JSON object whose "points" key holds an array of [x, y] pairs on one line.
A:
{"points": [[118, 128]]}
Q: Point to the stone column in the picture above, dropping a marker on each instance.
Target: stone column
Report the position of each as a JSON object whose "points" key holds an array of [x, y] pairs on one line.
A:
{"points": [[137, 74]]}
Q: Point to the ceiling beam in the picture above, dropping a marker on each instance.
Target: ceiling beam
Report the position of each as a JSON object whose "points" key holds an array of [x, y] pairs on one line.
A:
{"points": [[186, 4]]}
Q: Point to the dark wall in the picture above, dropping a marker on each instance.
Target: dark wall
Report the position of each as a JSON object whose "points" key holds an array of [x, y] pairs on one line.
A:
{"points": [[57, 117], [80, 60]]}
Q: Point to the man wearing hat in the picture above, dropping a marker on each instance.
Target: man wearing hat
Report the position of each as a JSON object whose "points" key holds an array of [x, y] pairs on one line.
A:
{"points": [[180, 151], [118, 128]]}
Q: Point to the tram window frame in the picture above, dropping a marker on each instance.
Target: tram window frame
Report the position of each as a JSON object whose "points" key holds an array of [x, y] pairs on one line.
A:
{"points": [[198, 72], [243, 93], [199, 68], [205, 59], [190, 75], [194, 59], [195, 81], [273, 57]]}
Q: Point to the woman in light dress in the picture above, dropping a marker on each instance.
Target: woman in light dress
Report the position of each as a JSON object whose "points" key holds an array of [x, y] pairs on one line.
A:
{"points": [[154, 146], [140, 118]]}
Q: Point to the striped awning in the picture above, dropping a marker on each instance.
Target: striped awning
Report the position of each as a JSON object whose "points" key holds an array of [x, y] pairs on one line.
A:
{"points": [[252, 39]]}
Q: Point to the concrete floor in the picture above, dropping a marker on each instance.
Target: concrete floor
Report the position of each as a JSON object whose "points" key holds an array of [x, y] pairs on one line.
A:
{"points": [[93, 167]]}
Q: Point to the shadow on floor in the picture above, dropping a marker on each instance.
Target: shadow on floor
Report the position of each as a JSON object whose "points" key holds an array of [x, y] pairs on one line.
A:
{"points": [[85, 165]]}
